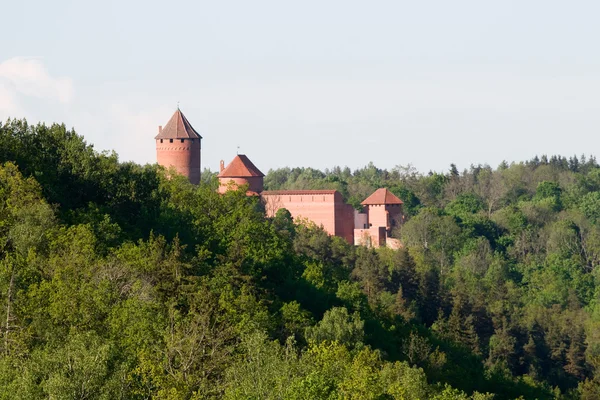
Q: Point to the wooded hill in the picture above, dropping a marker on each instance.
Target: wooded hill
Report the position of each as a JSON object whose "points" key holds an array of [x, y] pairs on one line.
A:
{"points": [[117, 283]]}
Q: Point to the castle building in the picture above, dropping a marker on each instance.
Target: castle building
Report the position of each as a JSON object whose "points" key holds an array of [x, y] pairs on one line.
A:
{"points": [[178, 145], [383, 212], [326, 208], [323, 207], [239, 172]]}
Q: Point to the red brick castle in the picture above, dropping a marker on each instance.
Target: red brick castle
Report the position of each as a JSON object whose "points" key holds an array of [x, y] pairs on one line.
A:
{"points": [[178, 145]]}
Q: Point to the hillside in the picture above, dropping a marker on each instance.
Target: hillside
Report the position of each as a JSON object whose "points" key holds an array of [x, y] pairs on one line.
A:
{"points": [[117, 283]]}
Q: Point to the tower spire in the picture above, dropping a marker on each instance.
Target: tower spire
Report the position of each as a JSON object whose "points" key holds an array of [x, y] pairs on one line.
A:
{"points": [[178, 145]]}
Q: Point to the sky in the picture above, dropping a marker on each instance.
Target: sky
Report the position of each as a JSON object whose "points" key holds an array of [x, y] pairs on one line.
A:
{"points": [[312, 83]]}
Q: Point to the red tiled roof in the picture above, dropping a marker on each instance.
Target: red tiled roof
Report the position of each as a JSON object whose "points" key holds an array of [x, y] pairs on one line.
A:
{"points": [[240, 167], [297, 192], [178, 127], [382, 196]]}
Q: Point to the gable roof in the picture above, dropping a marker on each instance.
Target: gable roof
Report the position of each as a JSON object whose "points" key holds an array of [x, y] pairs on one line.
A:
{"points": [[178, 127], [240, 167], [382, 196]]}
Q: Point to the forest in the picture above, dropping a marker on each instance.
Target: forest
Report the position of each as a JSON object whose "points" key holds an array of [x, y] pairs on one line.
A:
{"points": [[117, 282]]}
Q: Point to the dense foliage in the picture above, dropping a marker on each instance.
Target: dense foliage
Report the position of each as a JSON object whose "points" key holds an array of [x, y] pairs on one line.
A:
{"points": [[117, 283]]}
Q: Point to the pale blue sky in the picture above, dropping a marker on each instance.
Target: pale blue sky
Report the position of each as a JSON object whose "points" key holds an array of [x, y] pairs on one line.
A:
{"points": [[312, 83]]}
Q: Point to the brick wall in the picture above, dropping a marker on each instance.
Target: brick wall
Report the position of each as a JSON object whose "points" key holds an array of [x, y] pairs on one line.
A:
{"points": [[255, 184], [324, 208], [371, 237], [378, 215], [344, 221], [384, 215], [184, 156], [395, 216]]}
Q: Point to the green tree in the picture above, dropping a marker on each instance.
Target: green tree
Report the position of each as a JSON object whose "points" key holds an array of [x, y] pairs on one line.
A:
{"points": [[339, 326]]}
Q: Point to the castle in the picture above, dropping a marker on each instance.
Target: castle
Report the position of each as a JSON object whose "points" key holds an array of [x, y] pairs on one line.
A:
{"points": [[178, 145]]}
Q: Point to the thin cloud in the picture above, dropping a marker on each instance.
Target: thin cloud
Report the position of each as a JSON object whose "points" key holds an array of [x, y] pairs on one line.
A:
{"points": [[29, 90], [29, 77], [8, 102], [134, 130]]}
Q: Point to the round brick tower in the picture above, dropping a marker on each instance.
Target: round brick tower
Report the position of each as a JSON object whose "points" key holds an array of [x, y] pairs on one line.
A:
{"points": [[178, 145], [240, 171]]}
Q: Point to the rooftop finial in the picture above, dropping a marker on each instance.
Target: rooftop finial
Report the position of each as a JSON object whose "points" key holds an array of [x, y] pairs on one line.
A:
{"points": [[238, 151], [178, 105]]}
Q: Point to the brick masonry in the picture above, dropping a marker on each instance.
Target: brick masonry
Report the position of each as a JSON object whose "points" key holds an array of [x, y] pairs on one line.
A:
{"points": [[325, 208], [183, 154], [178, 146], [255, 184]]}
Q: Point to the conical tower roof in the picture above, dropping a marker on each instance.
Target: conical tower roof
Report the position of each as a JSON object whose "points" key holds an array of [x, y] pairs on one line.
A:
{"points": [[382, 196], [240, 167], [178, 127]]}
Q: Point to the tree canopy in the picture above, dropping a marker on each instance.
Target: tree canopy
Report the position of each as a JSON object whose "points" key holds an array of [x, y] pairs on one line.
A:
{"points": [[118, 282]]}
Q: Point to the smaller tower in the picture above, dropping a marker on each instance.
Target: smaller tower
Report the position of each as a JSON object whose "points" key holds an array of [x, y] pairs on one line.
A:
{"points": [[240, 171], [384, 209], [178, 145]]}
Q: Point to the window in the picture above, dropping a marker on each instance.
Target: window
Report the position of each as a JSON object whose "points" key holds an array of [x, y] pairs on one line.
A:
{"points": [[170, 140], [161, 140], [181, 140]]}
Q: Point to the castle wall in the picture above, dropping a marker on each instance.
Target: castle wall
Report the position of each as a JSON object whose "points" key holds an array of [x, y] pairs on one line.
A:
{"points": [[361, 220], [183, 154], [323, 207], [395, 215], [344, 221], [378, 215], [393, 243], [384, 215], [374, 236], [255, 184]]}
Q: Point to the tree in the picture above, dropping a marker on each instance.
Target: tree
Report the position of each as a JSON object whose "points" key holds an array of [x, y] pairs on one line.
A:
{"points": [[370, 272], [284, 223], [81, 369], [265, 371], [590, 206], [491, 188], [434, 237], [339, 326]]}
